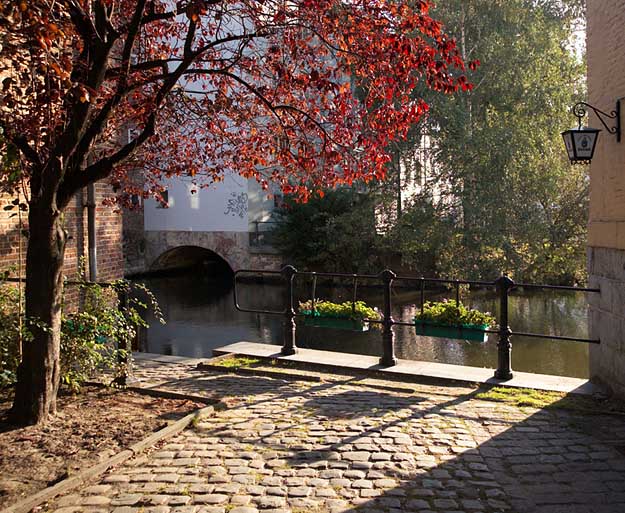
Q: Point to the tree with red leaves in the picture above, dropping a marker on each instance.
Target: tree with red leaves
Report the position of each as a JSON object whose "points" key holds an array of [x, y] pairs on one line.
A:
{"points": [[302, 93]]}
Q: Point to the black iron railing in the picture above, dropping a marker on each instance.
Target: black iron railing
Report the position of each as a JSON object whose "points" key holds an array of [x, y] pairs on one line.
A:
{"points": [[262, 234], [503, 285]]}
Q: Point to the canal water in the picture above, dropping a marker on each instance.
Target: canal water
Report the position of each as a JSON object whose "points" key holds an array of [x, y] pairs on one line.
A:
{"points": [[200, 316]]}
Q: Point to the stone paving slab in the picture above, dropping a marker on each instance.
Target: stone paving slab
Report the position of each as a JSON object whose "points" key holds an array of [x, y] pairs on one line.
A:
{"points": [[282, 446]]}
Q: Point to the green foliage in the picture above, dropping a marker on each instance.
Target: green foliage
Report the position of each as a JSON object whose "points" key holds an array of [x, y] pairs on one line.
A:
{"points": [[9, 333], [524, 397], [98, 337], [515, 202], [495, 192], [237, 362], [9, 164], [85, 346], [357, 310], [451, 313], [333, 233], [422, 237]]}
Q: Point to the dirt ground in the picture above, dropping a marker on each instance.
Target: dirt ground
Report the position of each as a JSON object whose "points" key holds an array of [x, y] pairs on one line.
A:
{"points": [[89, 428]]}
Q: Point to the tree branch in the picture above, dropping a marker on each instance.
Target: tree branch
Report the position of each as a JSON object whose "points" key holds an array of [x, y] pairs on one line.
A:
{"points": [[87, 135], [103, 23], [141, 66], [103, 167], [21, 144], [129, 44], [82, 22], [188, 42]]}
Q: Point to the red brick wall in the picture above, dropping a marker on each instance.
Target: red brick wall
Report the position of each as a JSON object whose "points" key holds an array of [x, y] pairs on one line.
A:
{"points": [[108, 237]]}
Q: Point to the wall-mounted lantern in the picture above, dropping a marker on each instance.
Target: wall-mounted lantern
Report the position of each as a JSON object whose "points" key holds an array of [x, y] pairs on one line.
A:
{"points": [[580, 142]]}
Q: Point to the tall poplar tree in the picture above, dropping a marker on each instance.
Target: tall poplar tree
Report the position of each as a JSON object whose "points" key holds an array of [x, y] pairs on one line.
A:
{"points": [[515, 202]]}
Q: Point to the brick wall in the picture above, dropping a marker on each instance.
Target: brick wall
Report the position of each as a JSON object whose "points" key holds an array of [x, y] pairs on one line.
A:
{"points": [[606, 83], [108, 236], [606, 229], [134, 241]]}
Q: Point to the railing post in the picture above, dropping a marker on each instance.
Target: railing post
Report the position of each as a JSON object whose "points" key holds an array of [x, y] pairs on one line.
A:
{"points": [[388, 337], [504, 347], [288, 325]]}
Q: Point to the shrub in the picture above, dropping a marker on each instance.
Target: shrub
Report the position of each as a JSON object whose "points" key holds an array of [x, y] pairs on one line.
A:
{"points": [[9, 333], [99, 337], [95, 338]]}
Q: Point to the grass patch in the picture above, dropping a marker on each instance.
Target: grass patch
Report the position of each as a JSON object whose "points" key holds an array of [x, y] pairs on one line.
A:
{"points": [[526, 397], [521, 396], [238, 362]]}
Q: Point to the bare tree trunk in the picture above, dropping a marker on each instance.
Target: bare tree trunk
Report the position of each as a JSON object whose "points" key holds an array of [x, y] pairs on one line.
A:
{"points": [[39, 373]]}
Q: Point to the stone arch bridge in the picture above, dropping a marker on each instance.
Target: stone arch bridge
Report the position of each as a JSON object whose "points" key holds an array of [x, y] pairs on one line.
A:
{"points": [[226, 251]]}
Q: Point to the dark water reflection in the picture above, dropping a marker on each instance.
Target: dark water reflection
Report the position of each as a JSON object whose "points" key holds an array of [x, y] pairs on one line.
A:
{"points": [[200, 316]]}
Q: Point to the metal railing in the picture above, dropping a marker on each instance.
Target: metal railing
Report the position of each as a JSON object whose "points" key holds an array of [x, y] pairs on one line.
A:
{"points": [[504, 285], [262, 234]]}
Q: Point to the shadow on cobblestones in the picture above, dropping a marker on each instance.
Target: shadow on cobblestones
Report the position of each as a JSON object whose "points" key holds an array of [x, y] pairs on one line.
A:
{"points": [[367, 451], [336, 447], [190, 385]]}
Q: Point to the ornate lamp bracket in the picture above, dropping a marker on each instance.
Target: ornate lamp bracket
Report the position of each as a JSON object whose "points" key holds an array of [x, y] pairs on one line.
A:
{"points": [[580, 110]]}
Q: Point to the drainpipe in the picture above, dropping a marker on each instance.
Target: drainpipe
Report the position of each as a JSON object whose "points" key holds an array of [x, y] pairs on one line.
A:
{"points": [[93, 252]]}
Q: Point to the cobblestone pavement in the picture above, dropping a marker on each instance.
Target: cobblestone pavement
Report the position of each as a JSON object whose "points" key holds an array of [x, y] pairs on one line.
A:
{"points": [[338, 446]]}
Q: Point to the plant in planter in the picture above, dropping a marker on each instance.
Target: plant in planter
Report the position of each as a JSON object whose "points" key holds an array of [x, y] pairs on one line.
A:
{"points": [[348, 315], [449, 319]]}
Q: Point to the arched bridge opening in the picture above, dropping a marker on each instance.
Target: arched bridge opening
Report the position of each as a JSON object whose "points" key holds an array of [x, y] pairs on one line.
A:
{"points": [[193, 259]]}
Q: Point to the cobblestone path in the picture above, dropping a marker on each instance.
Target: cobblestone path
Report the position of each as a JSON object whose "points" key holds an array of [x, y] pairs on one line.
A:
{"points": [[338, 446]]}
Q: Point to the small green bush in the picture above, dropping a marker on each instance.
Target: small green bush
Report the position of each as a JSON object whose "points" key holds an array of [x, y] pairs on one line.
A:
{"points": [[9, 334], [358, 311], [451, 313], [98, 337]]}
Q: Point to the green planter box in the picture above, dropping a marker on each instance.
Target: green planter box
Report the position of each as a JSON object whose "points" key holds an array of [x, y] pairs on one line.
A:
{"points": [[339, 323], [432, 329]]}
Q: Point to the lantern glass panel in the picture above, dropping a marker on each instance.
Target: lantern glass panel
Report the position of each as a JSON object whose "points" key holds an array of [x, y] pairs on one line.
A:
{"points": [[584, 142], [568, 142]]}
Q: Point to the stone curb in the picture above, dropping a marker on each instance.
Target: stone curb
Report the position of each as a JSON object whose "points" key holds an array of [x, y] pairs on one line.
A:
{"points": [[248, 371], [170, 394], [417, 379], [159, 392], [49, 493]]}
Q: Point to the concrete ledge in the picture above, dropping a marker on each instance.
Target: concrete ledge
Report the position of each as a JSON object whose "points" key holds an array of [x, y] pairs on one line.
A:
{"points": [[414, 369]]}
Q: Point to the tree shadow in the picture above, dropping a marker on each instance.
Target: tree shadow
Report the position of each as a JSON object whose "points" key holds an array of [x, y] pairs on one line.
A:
{"points": [[367, 451]]}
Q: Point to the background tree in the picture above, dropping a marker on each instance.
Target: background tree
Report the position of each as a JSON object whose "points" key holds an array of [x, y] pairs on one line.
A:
{"points": [[94, 88], [335, 231], [496, 192], [516, 201]]}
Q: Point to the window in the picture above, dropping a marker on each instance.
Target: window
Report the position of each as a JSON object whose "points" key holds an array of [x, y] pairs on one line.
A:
{"points": [[194, 200]]}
